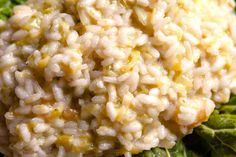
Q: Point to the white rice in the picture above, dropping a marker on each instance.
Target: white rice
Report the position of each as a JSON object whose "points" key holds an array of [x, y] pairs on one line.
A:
{"points": [[111, 77]]}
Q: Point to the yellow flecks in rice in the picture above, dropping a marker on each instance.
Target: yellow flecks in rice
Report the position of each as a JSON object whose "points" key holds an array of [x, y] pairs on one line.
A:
{"points": [[133, 59], [185, 81], [67, 142], [70, 114], [105, 77], [64, 140], [43, 62], [54, 114]]}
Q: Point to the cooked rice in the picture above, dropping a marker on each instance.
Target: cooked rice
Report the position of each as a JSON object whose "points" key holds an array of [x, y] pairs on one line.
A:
{"points": [[111, 77]]}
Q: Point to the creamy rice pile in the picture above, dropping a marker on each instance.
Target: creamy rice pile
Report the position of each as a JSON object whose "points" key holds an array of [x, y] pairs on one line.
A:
{"points": [[112, 77]]}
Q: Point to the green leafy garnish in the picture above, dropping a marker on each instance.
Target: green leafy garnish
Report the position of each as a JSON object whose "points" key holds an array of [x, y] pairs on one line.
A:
{"points": [[6, 7], [178, 150], [219, 134]]}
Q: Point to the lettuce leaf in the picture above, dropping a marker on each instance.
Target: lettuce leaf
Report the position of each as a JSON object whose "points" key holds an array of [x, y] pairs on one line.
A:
{"points": [[219, 132], [6, 7], [178, 151]]}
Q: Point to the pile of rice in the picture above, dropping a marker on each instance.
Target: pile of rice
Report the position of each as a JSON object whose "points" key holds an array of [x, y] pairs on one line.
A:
{"points": [[112, 77]]}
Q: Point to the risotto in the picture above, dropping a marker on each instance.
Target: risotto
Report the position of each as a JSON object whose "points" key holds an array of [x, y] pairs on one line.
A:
{"points": [[111, 77]]}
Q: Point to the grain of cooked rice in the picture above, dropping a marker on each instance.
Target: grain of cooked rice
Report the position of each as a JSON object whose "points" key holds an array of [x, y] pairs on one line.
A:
{"points": [[24, 132], [79, 77]]}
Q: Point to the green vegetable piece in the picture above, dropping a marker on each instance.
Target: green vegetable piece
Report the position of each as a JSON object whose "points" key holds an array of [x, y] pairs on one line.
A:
{"points": [[230, 109], [232, 100], [18, 1], [159, 152], [222, 151], [6, 11], [227, 138], [205, 132], [155, 152], [178, 150], [2, 17], [6, 7], [221, 121], [3, 2], [191, 153]]}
